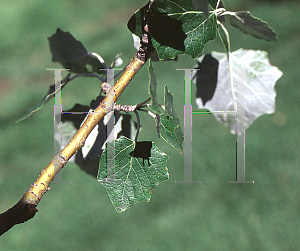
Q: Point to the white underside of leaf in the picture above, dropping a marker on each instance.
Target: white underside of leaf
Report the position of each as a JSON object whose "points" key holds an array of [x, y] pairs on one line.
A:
{"points": [[253, 70], [90, 140]]}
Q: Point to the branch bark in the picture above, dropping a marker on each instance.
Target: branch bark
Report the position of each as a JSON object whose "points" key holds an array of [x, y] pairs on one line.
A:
{"points": [[25, 209]]}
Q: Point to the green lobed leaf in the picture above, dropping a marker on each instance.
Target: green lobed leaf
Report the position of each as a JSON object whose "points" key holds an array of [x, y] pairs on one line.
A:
{"points": [[137, 169], [178, 28], [251, 25]]}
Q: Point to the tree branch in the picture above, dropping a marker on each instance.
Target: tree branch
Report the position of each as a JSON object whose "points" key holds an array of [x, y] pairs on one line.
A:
{"points": [[25, 209]]}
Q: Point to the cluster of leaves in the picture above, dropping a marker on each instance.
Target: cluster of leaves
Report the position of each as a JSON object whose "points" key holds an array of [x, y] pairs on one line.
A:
{"points": [[178, 27]]}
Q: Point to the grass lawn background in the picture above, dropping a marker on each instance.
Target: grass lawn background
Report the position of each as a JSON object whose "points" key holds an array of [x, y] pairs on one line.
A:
{"points": [[213, 215]]}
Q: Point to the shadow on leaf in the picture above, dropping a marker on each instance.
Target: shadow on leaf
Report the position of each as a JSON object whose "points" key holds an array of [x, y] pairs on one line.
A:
{"points": [[168, 31], [142, 150]]}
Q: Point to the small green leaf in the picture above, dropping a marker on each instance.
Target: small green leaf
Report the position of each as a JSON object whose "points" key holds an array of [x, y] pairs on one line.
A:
{"points": [[168, 131], [169, 105], [33, 109], [170, 111], [152, 89], [178, 28], [137, 169], [251, 25], [41, 103]]}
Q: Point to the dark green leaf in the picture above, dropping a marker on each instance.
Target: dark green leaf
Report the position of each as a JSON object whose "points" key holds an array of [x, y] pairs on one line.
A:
{"points": [[152, 89], [213, 4], [168, 131], [170, 111], [133, 178], [251, 25], [201, 5], [177, 28], [72, 54]]}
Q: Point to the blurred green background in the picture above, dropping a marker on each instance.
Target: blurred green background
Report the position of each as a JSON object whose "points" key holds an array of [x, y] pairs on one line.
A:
{"points": [[213, 215]]}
